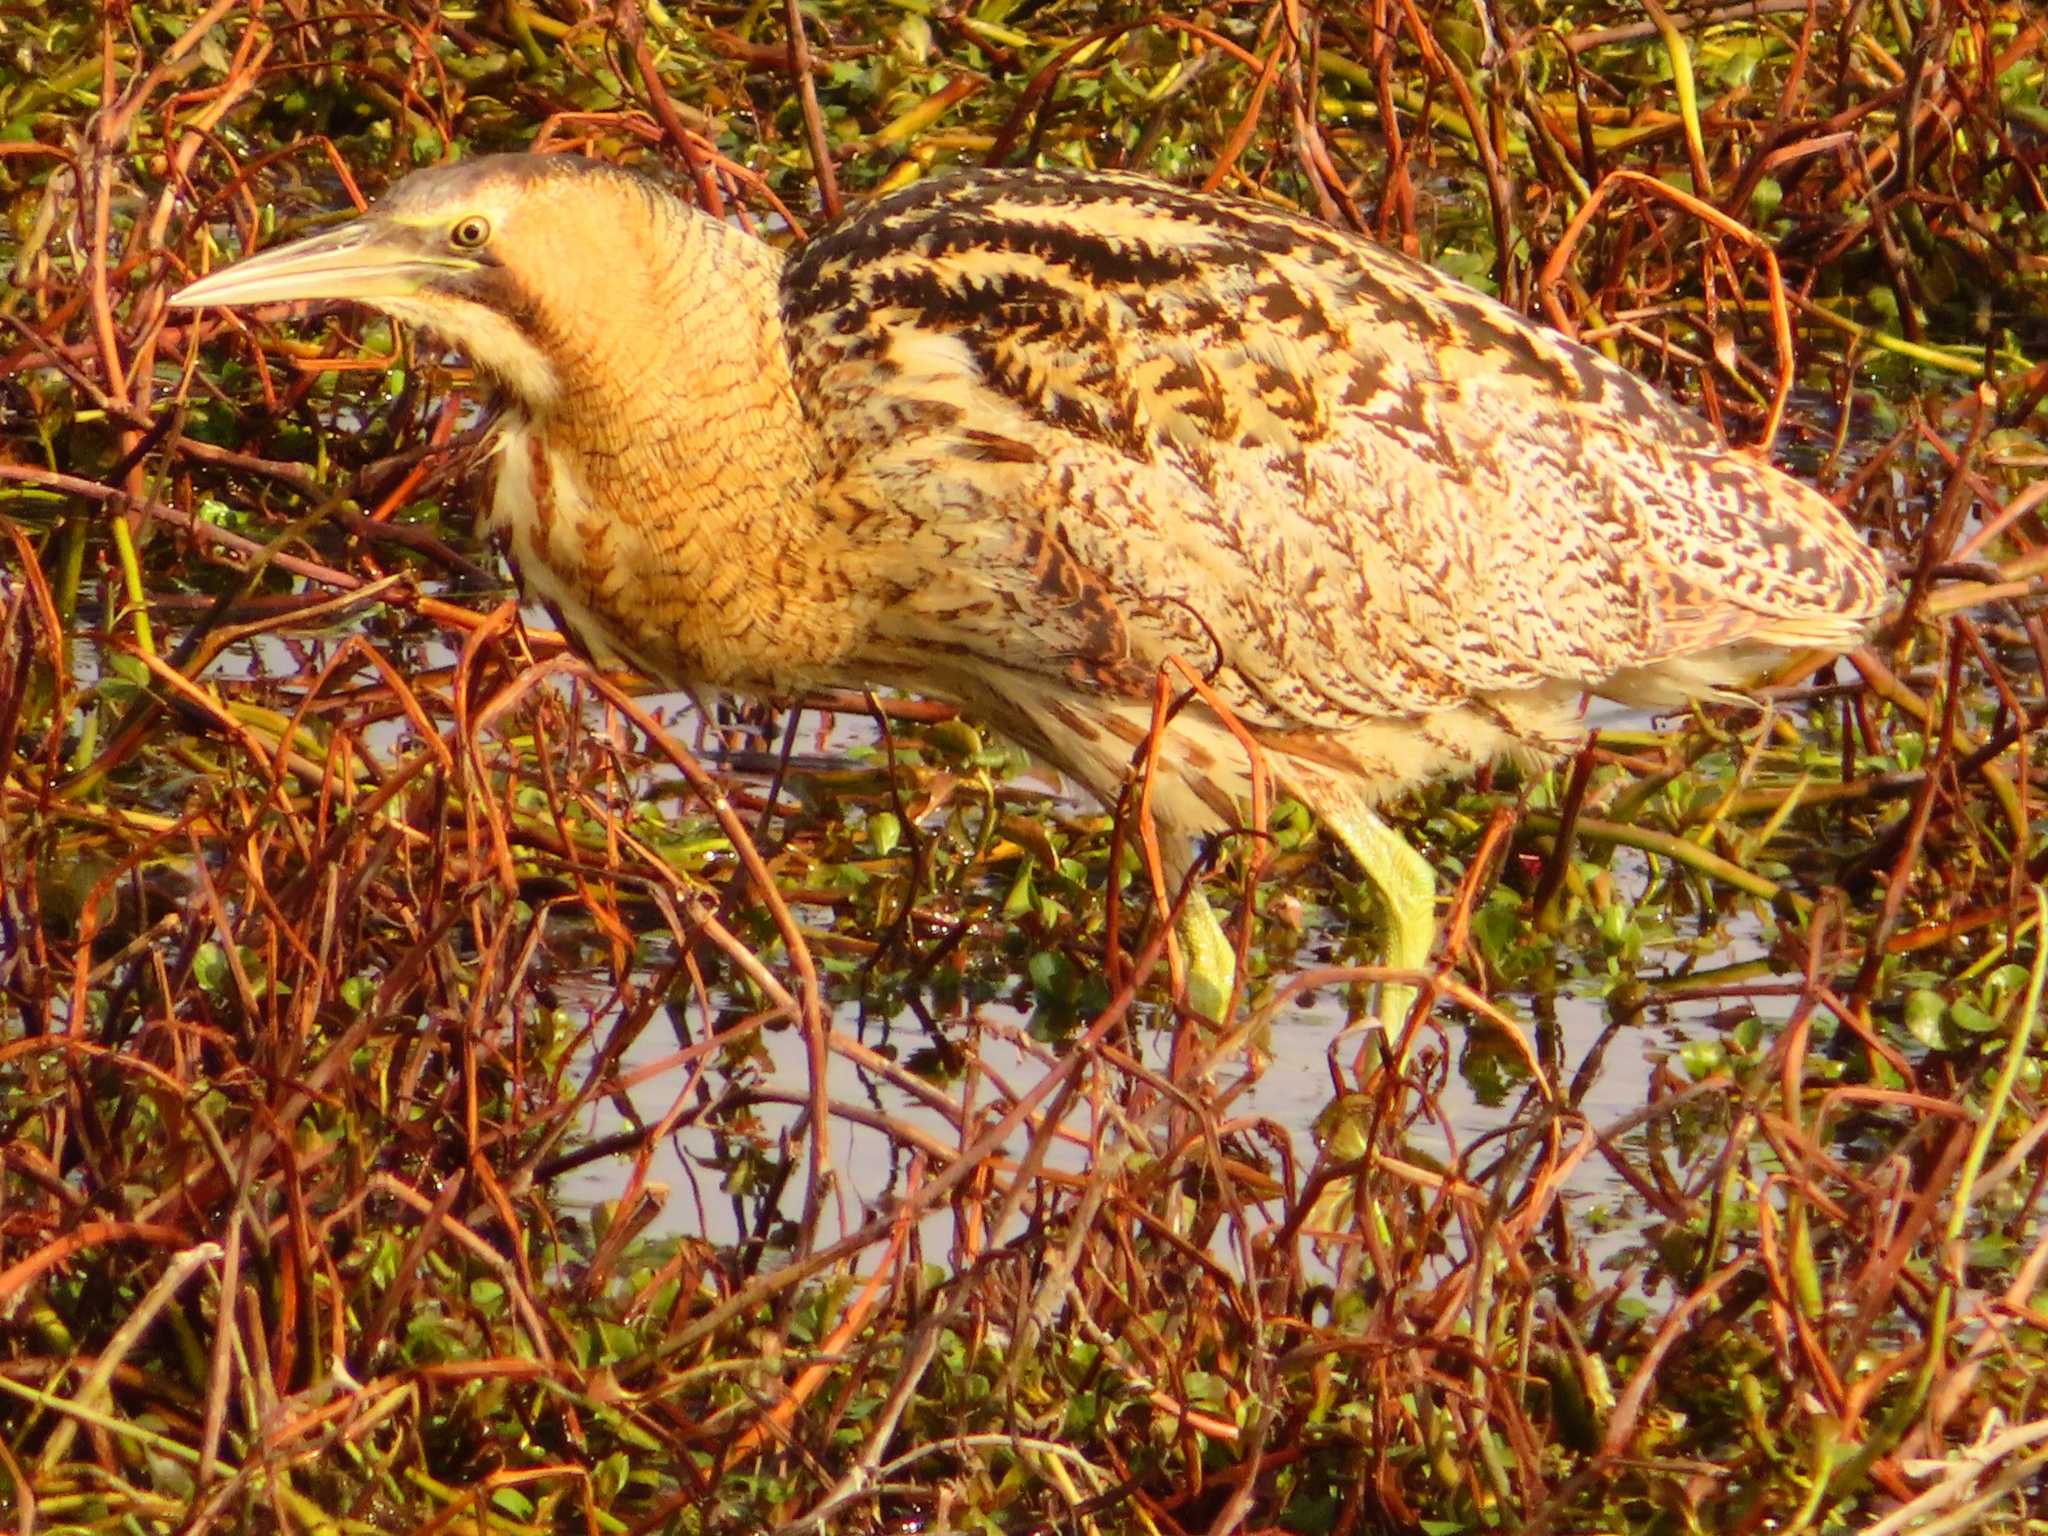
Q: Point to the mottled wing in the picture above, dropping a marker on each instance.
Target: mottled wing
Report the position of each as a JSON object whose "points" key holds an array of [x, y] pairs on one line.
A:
{"points": [[1103, 421]]}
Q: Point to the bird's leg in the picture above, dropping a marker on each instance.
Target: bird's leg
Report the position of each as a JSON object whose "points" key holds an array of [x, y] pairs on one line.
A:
{"points": [[1406, 886], [1208, 958]]}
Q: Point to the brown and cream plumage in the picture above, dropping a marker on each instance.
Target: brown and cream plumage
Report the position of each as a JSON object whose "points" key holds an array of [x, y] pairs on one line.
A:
{"points": [[1016, 438]]}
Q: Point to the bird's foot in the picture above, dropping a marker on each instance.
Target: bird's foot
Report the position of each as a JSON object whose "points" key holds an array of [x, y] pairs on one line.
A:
{"points": [[1405, 884]]}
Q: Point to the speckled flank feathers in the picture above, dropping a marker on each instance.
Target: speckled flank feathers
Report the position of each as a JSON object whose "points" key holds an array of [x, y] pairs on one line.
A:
{"points": [[1098, 421]]}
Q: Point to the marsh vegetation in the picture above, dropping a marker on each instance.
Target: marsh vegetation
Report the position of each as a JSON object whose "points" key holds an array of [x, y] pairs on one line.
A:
{"points": [[445, 1088]]}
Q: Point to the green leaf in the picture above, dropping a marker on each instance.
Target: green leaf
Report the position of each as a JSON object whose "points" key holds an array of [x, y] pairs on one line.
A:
{"points": [[1703, 1058], [2002, 986], [1969, 1016], [1019, 901], [210, 967], [1051, 974], [885, 832], [1924, 1012]]}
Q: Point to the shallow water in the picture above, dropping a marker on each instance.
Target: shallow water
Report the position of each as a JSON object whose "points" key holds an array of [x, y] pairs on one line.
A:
{"points": [[1291, 1091], [1485, 1091], [1601, 1070]]}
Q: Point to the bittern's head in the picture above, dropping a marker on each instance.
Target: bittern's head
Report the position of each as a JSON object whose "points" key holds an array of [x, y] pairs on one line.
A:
{"points": [[521, 261]]}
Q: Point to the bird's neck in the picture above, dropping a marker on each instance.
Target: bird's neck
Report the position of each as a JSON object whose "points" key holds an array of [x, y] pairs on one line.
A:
{"points": [[674, 388], [664, 495]]}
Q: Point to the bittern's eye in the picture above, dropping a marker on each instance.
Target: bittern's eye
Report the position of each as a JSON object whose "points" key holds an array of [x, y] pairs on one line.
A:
{"points": [[469, 234]]}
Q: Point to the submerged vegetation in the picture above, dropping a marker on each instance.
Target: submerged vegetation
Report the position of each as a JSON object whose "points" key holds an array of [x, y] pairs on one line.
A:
{"points": [[444, 1088]]}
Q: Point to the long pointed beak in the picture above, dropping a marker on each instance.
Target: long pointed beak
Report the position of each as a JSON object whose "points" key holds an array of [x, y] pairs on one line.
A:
{"points": [[366, 259]]}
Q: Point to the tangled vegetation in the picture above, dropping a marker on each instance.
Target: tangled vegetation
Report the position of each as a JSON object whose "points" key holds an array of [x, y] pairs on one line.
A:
{"points": [[445, 1088]]}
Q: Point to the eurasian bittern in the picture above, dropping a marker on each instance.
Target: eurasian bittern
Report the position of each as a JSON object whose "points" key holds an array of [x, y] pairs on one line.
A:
{"points": [[1018, 438]]}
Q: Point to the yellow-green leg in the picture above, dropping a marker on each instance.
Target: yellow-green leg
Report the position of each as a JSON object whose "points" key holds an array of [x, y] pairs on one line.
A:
{"points": [[1403, 882], [1406, 886], [1208, 955]]}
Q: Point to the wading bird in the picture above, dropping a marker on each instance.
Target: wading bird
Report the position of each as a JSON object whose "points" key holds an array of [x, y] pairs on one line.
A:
{"points": [[1016, 438]]}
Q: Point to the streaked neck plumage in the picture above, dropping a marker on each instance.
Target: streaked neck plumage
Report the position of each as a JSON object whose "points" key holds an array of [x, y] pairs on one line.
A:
{"points": [[656, 468]]}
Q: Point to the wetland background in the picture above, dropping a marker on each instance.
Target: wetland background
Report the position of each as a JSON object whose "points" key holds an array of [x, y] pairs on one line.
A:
{"points": [[442, 1089]]}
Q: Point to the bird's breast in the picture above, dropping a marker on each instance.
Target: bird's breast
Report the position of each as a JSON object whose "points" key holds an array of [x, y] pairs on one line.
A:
{"points": [[560, 549], [718, 590]]}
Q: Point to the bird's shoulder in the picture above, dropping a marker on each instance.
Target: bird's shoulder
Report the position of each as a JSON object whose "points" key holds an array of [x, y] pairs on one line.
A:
{"points": [[1115, 307], [1349, 480]]}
